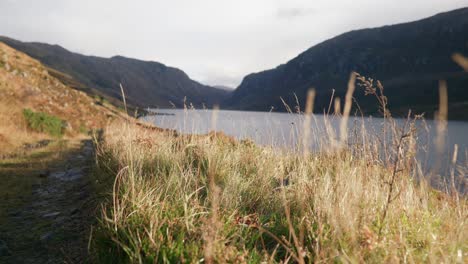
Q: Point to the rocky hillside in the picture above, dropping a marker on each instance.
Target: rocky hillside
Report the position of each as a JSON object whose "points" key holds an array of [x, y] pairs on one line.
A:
{"points": [[27, 84], [146, 83], [408, 58]]}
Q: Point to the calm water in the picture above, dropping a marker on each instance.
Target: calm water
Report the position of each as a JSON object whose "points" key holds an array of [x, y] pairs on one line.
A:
{"points": [[283, 130]]}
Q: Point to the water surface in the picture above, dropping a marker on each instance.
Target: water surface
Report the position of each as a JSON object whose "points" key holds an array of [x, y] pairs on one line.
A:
{"points": [[285, 130]]}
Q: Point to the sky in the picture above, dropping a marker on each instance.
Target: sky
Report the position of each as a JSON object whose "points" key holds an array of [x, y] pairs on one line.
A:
{"points": [[216, 42]]}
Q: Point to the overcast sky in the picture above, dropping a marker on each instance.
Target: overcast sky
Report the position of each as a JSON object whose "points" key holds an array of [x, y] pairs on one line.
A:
{"points": [[214, 41]]}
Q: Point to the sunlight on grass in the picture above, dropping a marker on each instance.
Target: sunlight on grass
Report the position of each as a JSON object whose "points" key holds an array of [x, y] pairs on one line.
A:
{"points": [[188, 198], [19, 173], [44, 123]]}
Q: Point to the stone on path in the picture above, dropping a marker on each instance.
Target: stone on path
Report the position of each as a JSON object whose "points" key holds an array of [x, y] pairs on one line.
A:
{"points": [[4, 250]]}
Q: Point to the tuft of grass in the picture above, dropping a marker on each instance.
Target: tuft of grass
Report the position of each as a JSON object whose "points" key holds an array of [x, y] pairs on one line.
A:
{"points": [[192, 199], [45, 123], [212, 199]]}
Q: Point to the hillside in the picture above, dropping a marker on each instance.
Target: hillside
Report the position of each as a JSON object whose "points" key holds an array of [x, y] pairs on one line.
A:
{"points": [[408, 58], [27, 84], [146, 83]]}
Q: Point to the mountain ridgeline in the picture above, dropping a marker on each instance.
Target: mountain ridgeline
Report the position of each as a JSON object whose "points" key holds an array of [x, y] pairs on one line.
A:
{"points": [[146, 83], [409, 59]]}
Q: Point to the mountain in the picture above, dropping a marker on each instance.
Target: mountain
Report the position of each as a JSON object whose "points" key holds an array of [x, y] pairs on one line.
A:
{"points": [[146, 83], [408, 58]]}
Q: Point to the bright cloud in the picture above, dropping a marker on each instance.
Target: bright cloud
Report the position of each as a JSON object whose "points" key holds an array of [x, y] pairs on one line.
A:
{"points": [[214, 41]]}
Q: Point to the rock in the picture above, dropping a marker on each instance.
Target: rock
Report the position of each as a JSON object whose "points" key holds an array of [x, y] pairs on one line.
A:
{"points": [[47, 236], [4, 250], [74, 174], [14, 213], [74, 211], [68, 126], [58, 174], [54, 214]]}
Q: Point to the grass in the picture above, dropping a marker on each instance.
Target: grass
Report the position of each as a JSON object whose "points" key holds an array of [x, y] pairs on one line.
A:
{"points": [[44, 123], [83, 130], [361, 198], [187, 198], [34, 143], [14, 132]]}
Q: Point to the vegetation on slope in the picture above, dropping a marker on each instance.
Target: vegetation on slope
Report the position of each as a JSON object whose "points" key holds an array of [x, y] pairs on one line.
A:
{"points": [[42, 122], [43, 130], [26, 87], [190, 199]]}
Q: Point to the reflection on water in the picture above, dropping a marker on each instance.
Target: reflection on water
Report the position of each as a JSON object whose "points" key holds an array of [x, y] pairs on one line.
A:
{"points": [[284, 130]]}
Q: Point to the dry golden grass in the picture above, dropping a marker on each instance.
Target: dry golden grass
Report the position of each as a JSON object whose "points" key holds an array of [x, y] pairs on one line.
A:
{"points": [[213, 199], [461, 60], [217, 200], [13, 129], [26, 83]]}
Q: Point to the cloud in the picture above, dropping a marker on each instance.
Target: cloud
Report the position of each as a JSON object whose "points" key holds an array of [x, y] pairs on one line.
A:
{"points": [[221, 78], [294, 12], [213, 41]]}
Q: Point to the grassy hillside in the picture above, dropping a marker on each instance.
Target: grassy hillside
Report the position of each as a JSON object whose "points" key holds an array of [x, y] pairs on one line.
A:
{"points": [[190, 199], [27, 86], [45, 137], [172, 198]]}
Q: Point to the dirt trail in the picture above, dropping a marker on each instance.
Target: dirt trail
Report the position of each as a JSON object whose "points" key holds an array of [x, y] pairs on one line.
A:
{"points": [[53, 226]]}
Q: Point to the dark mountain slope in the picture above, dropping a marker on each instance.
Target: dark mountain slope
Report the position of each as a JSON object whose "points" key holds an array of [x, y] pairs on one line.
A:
{"points": [[146, 83], [409, 58]]}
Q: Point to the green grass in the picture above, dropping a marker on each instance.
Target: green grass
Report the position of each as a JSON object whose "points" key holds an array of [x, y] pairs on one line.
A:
{"points": [[193, 199], [44, 123], [190, 199]]}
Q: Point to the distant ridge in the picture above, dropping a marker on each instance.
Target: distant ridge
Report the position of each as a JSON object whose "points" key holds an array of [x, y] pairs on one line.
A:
{"points": [[409, 58], [25, 83], [146, 83]]}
